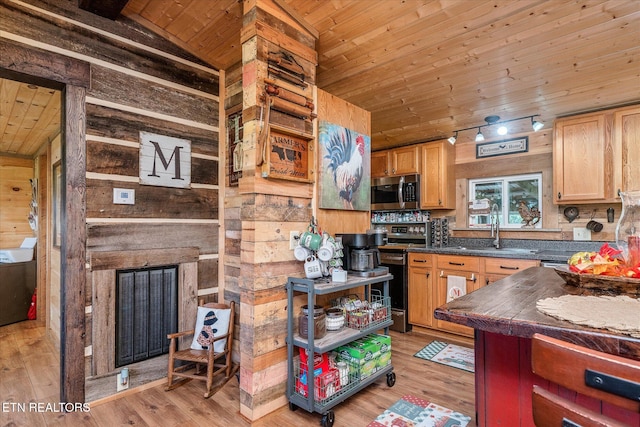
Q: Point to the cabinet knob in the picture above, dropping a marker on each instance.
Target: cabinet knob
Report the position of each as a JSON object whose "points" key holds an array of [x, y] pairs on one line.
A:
{"points": [[393, 170], [559, 196]]}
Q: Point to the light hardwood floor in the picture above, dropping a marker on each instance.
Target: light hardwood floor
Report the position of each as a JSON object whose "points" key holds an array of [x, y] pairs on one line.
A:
{"points": [[29, 374]]}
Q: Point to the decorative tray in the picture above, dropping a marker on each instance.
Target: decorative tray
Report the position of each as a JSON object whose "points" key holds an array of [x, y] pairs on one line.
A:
{"points": [[622, 285]]}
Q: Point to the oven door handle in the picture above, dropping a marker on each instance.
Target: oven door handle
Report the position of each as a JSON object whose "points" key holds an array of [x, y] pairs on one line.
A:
{"points": [[395, 260]]}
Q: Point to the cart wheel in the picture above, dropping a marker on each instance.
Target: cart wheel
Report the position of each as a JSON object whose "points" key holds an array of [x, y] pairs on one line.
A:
{"points": [[293, 406], [328, 419], [391, 379]]}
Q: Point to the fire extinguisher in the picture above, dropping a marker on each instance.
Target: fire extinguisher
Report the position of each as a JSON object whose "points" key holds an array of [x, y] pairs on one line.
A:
{"points": [[31, 314]]}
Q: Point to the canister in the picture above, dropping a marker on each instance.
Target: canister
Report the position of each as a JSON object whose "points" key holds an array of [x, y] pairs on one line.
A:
{"points": [[319, 322]]}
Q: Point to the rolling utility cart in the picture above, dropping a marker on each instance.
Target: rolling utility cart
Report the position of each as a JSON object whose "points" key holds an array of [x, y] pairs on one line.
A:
{"points": [[317, 390]]}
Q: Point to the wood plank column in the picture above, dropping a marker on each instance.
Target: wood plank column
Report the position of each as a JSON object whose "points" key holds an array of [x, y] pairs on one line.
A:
{"points": [[270, 209]]}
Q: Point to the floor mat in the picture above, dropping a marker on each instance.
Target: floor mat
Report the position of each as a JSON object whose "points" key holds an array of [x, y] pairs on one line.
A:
{"points": [[448, 354], [411, 411]]}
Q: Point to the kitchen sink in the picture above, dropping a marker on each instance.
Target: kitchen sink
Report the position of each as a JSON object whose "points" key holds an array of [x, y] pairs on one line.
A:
{"points": [[492, 249]]}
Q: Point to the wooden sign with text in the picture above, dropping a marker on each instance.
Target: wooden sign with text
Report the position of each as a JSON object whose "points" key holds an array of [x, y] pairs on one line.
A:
{"points": [[165, 161], [288, 157]]}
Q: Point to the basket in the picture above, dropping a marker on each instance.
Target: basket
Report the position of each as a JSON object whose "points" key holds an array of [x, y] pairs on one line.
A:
{"points": [[374, 312]]}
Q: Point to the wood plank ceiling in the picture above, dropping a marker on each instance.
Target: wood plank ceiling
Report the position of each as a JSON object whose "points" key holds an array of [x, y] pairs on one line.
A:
{"points": [[425, 68]]}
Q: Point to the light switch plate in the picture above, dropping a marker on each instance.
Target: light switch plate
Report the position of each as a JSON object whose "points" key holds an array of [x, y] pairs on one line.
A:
{"points": [[581, 233], [124, 196]]}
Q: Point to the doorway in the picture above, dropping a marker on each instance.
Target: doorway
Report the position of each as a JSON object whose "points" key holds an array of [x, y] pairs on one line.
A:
{"points": [[30, 143], [72, 78]]}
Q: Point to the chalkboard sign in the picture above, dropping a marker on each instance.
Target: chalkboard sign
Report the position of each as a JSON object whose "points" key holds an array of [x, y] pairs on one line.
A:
{"points": [[288, 157]]}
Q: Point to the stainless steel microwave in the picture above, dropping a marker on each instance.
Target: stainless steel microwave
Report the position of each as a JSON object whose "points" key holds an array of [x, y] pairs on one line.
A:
{"points": [[395, 192]]}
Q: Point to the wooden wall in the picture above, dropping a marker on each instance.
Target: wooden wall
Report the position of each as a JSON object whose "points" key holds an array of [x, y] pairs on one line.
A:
{"points": [[15, 199], [139, 82]]}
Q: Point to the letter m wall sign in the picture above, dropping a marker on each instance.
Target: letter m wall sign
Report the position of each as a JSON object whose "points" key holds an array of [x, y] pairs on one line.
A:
{"points": [[165, 161]]}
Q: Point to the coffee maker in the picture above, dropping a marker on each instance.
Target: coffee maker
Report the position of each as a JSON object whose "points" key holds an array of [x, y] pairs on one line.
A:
{"points": [[361, 256]]}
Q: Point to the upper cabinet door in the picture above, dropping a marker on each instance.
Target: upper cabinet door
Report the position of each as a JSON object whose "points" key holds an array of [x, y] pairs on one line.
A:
{"points": [[581, 152], [626, 137], [379, 164], [438, 187], [405, 160]]}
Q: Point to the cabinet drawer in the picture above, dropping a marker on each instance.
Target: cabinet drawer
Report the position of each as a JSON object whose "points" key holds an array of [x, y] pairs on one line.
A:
{"points": [[460, 263], [507, 266], [420, 260]]}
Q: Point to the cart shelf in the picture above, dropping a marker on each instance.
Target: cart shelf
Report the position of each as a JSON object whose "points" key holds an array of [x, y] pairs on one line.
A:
{"points": [[332, 340]]}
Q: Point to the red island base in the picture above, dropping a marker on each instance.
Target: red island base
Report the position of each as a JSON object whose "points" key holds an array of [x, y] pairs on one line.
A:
{"points": [[504, 383]]}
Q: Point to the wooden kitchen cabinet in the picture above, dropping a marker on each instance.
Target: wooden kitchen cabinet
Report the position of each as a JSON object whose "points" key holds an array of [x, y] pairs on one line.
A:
{"points": [[582, 144], [421, 290], [596, 155], [380, 164], [438, 186], [626, 138], [397, 161], [499, 268], [465, 266]]}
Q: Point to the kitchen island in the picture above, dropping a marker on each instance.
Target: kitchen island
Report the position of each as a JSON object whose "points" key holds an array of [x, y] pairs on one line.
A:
{"points": [[504, 317]]}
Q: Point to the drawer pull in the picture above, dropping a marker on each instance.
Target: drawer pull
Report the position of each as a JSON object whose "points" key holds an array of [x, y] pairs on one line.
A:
{"points": [[419, 260], [506, 267], [456, 263], [471, 279]]}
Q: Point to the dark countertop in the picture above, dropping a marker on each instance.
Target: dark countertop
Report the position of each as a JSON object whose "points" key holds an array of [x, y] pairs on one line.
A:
{"points": [[508, 307], [543, 250]]}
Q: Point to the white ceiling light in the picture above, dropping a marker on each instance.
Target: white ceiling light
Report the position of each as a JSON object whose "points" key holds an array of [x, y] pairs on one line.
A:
{"points": [[502, 130], [452, 139], [536, 124], [479, 136]]}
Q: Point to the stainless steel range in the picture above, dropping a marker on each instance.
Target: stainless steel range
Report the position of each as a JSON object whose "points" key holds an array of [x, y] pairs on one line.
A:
{"points": [[393, 255]]}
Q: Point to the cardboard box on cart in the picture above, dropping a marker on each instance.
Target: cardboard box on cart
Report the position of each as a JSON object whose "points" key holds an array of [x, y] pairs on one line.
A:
{"points": [[361, 358], [383, 343]]}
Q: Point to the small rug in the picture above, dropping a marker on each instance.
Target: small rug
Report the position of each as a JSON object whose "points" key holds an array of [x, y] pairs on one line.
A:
{"points": [[411, 411], [448, 354]]}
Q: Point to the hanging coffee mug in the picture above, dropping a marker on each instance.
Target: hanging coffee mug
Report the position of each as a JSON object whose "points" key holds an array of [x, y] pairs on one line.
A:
{"points": [[312, 268], [325, 252], [311, 240], [301, 253]]}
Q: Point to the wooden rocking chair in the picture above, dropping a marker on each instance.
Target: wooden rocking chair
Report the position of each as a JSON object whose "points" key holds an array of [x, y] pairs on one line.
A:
{"points": [[214, 362]]}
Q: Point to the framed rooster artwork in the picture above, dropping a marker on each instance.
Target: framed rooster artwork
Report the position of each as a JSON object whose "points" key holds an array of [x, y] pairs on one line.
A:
{"points": [[345, 168]]}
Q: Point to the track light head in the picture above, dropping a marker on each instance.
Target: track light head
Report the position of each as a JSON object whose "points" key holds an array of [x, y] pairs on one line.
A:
{"points": [[479, 136], [536, 125], [452, 139], [502, 130]]}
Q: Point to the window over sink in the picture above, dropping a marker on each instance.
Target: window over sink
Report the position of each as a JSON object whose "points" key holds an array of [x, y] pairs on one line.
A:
{"points": [[519, 200]]}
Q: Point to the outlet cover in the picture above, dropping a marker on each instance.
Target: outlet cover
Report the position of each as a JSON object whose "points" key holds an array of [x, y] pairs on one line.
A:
{"points": [[581, 233], [294, 236], [120, 386]]}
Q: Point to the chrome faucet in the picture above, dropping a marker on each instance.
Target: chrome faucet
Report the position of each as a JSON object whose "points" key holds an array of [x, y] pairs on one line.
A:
{"points": [[496, 223]]}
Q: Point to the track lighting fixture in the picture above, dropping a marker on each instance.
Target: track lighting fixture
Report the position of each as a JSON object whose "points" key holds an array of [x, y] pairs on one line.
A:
{"points": [[502, 130], [535, 124]]}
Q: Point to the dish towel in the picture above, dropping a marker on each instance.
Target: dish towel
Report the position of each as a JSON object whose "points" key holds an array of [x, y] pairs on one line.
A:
{"points": [[456, 287]]}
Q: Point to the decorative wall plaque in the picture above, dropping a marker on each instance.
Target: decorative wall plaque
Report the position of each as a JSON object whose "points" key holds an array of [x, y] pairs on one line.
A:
{"points": [[500, 148], [165, 161], [288, 157]]}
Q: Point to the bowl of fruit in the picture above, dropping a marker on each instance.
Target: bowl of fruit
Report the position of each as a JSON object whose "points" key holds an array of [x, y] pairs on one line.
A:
{"points": [[603, 270]]}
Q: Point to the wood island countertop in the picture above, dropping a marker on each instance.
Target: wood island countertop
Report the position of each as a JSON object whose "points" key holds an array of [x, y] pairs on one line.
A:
{"points": [[508, 307]]}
